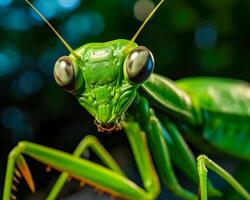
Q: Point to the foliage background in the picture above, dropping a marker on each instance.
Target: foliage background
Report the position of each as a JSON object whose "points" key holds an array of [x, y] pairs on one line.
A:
{"points": [[187, 38]]}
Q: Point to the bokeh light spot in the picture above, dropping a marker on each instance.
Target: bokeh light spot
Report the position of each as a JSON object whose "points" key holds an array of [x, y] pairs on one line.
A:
{"points": [[30, 82], [97, 23], [69, 4], [15, 119], [12, 117], [205, 37], [16, 19], [5, 64], [10, 61], [142, 8], [81, 25], [5, 3], [48, 8]]}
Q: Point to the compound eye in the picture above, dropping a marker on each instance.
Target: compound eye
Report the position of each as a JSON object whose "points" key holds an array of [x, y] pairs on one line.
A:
{"points": [[139, 64], [64, 73]]}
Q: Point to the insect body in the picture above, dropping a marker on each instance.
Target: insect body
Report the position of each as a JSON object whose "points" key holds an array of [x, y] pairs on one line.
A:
{"points": [[106, 79]]}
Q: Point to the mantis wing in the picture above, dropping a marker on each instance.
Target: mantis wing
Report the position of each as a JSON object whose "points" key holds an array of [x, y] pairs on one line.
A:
{"points": [[225, 104]]}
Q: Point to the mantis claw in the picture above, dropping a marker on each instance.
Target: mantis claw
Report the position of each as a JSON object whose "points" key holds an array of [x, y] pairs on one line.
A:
{"points": [[48, 169], [14, 188], [82, 184], [25, 172], [13, 197]]}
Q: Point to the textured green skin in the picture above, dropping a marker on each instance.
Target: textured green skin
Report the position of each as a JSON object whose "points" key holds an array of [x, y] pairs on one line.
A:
{"points": [[106, 94], [103, 88]]}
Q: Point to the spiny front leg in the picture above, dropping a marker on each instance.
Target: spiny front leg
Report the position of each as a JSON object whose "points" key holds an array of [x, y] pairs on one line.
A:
{"points": [[155, 135], [91, 142], [182, 155], [81, 169], [203, 163], [17, 168], [161, 155]]}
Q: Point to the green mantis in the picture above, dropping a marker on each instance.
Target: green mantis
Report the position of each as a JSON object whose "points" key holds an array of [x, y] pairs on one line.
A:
{"points": [[115, 83]]}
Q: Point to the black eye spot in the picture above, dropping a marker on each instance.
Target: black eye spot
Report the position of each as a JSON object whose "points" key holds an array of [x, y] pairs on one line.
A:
{"points": [[64, 73], [139, 64]]}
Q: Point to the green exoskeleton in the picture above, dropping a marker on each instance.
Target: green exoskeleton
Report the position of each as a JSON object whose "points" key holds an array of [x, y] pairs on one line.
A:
{"points": [[106, 79]]}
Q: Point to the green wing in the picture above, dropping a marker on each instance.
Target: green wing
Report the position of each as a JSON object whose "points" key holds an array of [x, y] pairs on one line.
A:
{"points": [[225, 107], [218, 95]]}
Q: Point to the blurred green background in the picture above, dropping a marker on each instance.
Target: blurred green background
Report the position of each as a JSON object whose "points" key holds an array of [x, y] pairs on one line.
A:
{"points": [[187, 38]]}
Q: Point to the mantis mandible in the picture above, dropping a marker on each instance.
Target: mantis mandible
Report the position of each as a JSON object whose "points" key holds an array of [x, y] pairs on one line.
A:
{"points": [[106, 79]]}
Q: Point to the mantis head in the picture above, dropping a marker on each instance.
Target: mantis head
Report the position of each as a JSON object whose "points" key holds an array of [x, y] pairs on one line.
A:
{"points": [[104, 77]]}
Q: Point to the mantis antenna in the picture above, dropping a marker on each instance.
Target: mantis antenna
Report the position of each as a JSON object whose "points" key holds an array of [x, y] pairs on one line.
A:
{"points": [[144, 23], [54, 30]]}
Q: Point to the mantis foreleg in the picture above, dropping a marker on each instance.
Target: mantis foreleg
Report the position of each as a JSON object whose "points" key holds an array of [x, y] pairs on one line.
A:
{"points": [[138, 142], [155, 135], [162, 157], [91, 142], [108, 180], [203, 163], [185, 160]]}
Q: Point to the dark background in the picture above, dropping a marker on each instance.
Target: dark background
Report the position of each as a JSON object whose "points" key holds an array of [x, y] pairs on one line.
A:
{"points": [[187, 38]]}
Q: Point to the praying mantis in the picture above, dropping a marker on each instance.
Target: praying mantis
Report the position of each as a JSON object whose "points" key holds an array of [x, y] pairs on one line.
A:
{"points": [[115, 83]]}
